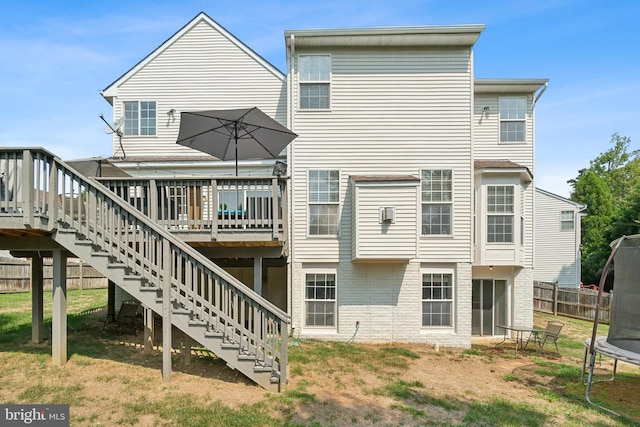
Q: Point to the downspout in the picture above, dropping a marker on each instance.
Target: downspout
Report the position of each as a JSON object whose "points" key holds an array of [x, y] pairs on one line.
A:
{"points": [[291, 109], [546, 84], [578, 242], [533, 201]]}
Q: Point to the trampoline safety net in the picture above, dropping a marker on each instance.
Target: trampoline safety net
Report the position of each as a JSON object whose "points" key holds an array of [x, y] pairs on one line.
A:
{"points": [[624, 326]]}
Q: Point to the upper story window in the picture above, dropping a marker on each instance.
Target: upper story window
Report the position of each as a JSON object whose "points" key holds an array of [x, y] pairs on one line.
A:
{"points": [[437, 201], [512, 119], [500, 213], [566, 220], [139, 117], [315, 78], [324, 197]]}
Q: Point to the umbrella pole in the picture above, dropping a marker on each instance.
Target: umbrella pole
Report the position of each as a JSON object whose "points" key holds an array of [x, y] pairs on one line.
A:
{"points": [[236, 140]]}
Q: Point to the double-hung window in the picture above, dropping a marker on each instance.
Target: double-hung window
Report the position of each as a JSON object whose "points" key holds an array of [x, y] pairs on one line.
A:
{"points": [[437, 201], [324, 190], [500, 213], [512, 118], [320, 299], [314, 73], [566, 220], [437, 299], [139, 118]]}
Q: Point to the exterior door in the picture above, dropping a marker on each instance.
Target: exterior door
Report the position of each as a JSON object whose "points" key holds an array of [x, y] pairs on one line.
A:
{"points": [[488, 306]]}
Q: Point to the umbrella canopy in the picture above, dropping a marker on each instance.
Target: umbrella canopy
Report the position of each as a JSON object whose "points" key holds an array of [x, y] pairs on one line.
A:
{"points": [[246, 133]]}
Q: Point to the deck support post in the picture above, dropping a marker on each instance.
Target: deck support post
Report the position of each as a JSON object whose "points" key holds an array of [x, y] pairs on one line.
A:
{"points": [[166, 310], [257, 275], [59, 309], [111, 301], [37, 295], [148, 329], [186, 349]]}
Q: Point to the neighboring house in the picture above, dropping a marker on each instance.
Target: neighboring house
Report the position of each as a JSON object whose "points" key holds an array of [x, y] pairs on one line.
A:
{"points": [[410, 212], [557, 244]]}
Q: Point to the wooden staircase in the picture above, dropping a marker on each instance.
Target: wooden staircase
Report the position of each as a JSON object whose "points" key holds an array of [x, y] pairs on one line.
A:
{"points": [[165, 274]]}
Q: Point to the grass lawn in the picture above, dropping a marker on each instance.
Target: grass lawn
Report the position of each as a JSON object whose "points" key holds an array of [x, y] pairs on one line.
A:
{"points": [[109, 380]]}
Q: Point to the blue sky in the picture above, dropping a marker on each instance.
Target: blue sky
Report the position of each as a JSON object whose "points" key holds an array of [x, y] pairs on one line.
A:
{"points": [[57, 56]]}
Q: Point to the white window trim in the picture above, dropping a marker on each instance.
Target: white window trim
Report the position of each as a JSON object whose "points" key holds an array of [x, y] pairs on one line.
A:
{"points": [[301, 82], [571, 221], [451, 203], [309, 203], [138, 135], [454, 290], [312, 328], [515, 226], [524, 121]]}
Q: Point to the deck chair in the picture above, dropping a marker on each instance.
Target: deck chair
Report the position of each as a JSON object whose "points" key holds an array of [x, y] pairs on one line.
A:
{"points": [[550, 334], [126, 316]]}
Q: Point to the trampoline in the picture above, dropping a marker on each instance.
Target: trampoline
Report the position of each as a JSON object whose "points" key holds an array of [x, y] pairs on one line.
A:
{"points": [[623, 340]]}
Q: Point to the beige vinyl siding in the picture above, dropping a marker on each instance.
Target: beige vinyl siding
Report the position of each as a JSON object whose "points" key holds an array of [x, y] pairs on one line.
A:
{"points": [[487, 145], [374, 240], [201, 70], [392, 113], [555, 250]]}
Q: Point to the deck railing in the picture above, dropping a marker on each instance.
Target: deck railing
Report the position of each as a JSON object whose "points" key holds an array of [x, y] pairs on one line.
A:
{"points": [[230, 204], [40, 191]]}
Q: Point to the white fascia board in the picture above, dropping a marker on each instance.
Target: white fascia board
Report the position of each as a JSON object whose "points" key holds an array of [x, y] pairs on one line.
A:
{"points": [[508, 85], [453, 35]]}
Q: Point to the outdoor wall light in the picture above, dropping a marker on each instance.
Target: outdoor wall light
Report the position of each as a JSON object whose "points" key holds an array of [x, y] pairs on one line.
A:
{"points": [[171, 112], [486, 108], [491, 268]]}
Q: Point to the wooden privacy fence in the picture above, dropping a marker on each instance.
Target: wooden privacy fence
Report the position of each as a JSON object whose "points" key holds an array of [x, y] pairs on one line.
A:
{"points": [[15, 275], [579, 303]]}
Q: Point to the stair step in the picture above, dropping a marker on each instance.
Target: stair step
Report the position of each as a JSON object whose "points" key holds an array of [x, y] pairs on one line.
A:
{"points": [[247, 356], [214, 334], [148, 288], [262, 368], [230, 345], [100, 254], [197, 322]]}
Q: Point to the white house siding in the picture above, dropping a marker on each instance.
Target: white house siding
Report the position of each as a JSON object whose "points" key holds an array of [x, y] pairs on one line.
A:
{"points": [[393, 112], [376, 240], [201, 70], [556, 251], [486, 146]]}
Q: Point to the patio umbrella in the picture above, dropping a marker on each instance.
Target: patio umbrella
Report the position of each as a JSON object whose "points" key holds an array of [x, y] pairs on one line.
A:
{"points": [[246, 133], [96, 167]]}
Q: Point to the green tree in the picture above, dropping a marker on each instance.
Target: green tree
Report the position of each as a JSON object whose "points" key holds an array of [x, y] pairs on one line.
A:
{"points": [[592, 190], [609, 188]]}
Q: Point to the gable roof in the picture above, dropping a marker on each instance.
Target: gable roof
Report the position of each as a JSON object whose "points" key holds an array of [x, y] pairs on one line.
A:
{"points": [[110, 91], [579, 206]]}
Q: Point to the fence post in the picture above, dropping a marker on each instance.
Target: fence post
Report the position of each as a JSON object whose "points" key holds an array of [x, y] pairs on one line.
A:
{"points": [[555, 299], [80, 275]]}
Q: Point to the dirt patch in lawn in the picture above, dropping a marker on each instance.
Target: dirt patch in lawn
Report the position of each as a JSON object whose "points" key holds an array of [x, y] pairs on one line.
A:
{"points": [[110, 380]]}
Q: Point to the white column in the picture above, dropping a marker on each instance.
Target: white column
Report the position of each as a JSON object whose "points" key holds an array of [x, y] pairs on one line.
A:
{"points": [[257, 275], [59, 309], [37, 311]]}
